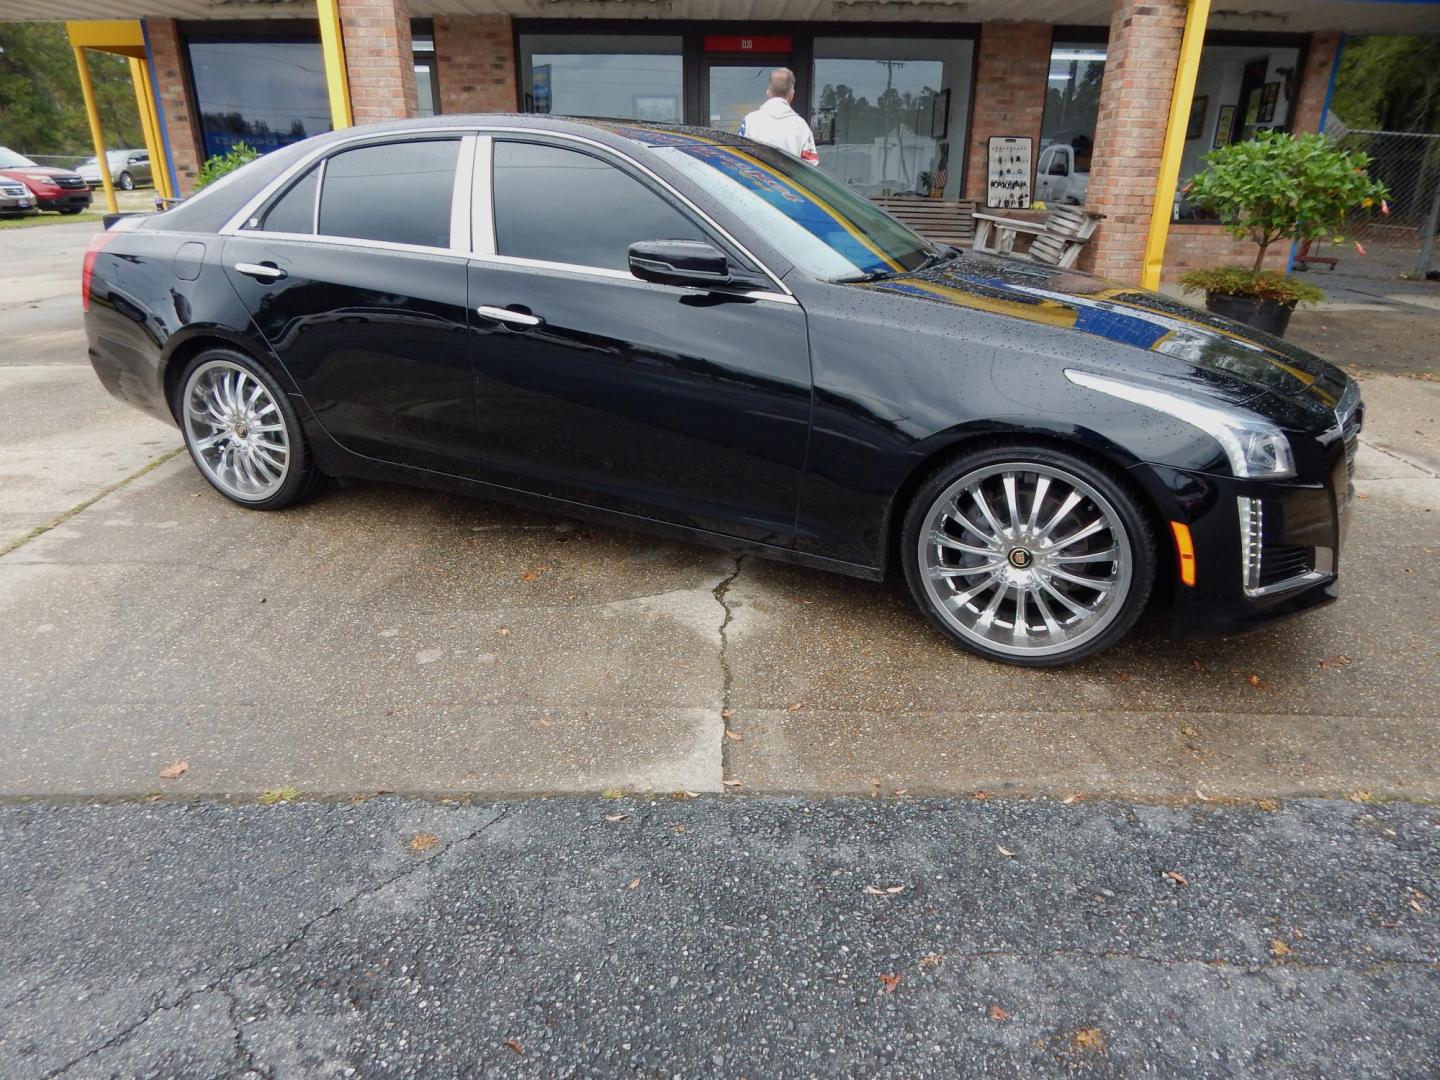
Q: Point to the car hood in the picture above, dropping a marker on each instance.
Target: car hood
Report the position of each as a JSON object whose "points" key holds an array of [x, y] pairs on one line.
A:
{"points": [[1244, 363], [33, 170]]}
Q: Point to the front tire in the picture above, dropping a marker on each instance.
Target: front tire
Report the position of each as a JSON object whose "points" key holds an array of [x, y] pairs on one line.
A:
{"points": [[242, 432], [127, 182], [1028, 555]]}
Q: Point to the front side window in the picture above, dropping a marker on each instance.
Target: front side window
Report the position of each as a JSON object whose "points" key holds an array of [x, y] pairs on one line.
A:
{"points": [[889, 113], [623, 76], [396, 192], [564, 206], [816, 222]]}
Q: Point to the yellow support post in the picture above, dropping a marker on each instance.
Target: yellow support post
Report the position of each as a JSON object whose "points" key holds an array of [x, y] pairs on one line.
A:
{"points": [[332, 46], [92, 112], [150, 126], [1197, 14]]}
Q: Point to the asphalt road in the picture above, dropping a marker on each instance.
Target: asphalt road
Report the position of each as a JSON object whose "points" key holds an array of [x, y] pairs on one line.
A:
{"points": [[727, 938]]}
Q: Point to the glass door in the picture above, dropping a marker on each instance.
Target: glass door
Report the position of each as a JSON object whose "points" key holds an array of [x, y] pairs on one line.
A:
{"points": [[732, 88]]}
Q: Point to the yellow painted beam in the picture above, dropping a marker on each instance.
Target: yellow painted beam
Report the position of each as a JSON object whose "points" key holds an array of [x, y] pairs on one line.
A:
{"points": [[332, 46], [1197, 14], [92, 113], [121, 36], [149, 128]]}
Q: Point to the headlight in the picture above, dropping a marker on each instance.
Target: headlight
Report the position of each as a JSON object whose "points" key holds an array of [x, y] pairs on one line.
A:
{"points": [[39, 178], [1257, 449]]}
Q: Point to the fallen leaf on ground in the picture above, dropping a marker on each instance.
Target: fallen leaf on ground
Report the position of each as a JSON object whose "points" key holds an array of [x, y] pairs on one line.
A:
{"points": [[1268, 805], [530, 575], [1335, 662], [514, 1044], [504, 631], [1177, 877], [981, 795], [616, 817], [687, 794], [634, 883], [1202, 796], [932, 959], [1125, 676], [888, 890], [1279, 948], [1004, 851], [278, 795], [899, 791], [888, 983], [734, 736], [174, 770], [1189, 732], [1254, 680], [794, 708], [1071, 799], [423, 841], [998, 1014], [1089, 1039], [732, 783], [1360, 796], [725, 714]]}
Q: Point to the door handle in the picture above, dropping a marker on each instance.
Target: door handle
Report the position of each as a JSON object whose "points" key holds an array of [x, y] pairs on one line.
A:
{"points": [[512, 318], [263, 271]]}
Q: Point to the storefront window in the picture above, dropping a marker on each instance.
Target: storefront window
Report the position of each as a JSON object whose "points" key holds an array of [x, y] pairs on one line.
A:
{"points": [[264, 93], [889, 113], [1067, 134], [1240, 91], [422, 47], [621, 76]]}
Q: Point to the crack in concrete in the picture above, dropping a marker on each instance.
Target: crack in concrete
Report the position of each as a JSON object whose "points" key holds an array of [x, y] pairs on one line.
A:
{"points": [[1431, 473], [242, 1048], [222, 982], [727, 677]]}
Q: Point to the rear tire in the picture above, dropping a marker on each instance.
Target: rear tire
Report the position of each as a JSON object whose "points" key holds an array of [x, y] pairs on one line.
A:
{"points": [[127, 182], [242, 432], [1028, 555]]}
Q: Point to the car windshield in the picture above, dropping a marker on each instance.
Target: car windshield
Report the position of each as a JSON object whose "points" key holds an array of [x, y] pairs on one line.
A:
{"points": [[818, 223], [11, 160]]}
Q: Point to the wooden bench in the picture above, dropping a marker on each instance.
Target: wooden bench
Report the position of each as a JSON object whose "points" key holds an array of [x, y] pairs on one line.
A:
{"points": [[1055, 242], [944, 221]]}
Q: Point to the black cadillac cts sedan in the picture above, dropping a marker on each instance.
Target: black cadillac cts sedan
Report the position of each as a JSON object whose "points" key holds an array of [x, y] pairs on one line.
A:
{"points": [[683, 331]]}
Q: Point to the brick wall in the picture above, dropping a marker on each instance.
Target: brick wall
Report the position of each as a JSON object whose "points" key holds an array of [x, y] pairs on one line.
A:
{"points": [[1140, 67], [1012, 66], [1190, 247], [379, 59], [475, 63], [172, 86], [1315, 81]]}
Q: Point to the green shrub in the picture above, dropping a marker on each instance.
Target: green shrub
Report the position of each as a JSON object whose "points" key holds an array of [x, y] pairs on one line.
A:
{"points": [[1261, 285], [223, 164], [1284, 187]]}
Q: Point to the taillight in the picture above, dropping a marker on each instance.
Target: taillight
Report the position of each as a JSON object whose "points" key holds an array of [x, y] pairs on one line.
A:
{"points": [[88, 270]]}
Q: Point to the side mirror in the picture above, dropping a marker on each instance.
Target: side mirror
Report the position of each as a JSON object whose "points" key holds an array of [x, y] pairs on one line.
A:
{"points": [[679, 262]]}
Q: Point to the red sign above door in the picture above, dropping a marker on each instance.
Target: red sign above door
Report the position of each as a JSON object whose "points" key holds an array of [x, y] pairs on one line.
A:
{"points": [[740, 43]]}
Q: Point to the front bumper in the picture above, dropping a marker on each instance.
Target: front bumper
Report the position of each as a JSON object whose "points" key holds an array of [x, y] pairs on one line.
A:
{"points": [[1263, 549], [17, 205], [65, 199]]}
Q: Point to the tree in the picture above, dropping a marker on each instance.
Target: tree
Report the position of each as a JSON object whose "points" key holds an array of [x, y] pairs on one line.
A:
{"points": [[1389, 84], [1283, 187], [42, 110]]}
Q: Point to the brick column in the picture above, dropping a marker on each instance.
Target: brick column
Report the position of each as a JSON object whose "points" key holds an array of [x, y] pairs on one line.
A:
{"points": [[172, 88], [475, 63], [379, 59], [1140, 65], [1315, 82], [1012, 69]]}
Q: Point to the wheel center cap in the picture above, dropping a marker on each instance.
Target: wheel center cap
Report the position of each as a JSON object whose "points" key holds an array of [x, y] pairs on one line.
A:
{"points": [[1020, 558], [241, 430]]}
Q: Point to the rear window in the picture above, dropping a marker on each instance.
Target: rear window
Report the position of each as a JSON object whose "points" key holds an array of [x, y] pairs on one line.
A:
{"points": [[396, 192]]}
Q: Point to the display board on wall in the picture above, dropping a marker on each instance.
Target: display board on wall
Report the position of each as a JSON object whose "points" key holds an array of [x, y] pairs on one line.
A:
{"points": [[1009, 173]]}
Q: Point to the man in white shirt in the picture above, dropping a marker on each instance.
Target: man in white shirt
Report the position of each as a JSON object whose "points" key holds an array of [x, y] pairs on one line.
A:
{"points": [[776, 124]]}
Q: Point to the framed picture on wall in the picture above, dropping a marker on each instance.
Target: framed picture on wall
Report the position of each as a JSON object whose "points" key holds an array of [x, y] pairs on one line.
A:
{"points": [[940, 114], [1199, 106], [1269, 95], [1223, 125]]}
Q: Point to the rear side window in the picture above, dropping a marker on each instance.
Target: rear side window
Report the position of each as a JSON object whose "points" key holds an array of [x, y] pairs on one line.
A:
{"points": [[294, 212], [396, 192], [564, 206]]}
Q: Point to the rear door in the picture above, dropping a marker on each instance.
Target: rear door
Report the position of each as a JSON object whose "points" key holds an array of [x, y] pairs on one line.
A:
{"points": [[355, 276]]}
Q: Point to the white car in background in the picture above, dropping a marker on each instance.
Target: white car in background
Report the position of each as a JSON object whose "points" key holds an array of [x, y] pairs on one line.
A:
{"points": [[129, 169], [1057, 180]]}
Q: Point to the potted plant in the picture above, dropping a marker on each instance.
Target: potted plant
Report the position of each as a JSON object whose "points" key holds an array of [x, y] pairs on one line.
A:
{"points": [[1267, 189]]}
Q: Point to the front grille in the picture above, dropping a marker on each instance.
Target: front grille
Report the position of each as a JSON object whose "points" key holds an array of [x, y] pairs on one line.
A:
{"points": [[72, 183], [14, 191], [1281, 562]]}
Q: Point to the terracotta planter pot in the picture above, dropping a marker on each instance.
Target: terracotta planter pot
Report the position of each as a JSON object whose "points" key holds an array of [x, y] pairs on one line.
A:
{"points": [[1264, 315]]}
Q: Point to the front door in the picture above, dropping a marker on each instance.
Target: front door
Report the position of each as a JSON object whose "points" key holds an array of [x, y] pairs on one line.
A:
{"points": [[731, 86], [678, 404], [361, 299]]}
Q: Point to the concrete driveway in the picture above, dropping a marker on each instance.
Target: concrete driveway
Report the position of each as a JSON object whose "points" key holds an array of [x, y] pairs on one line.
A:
{"points": [[387, 639]]}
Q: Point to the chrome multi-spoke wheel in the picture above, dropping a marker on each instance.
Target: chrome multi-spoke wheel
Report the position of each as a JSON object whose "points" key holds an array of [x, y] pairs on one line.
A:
{"points": [[235, 430], [1025, 559]]}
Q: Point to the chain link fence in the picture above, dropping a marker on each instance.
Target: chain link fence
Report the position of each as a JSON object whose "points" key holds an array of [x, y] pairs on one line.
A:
{"points": [[1403, 242]]}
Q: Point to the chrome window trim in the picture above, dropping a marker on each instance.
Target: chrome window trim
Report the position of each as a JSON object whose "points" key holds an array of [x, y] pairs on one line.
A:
{"points": [[482, 208], [237, 220], [664, 184], [460, 194], [354, 242], [617, 275]]}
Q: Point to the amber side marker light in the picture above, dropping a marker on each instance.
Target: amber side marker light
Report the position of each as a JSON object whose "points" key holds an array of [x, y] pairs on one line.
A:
{"points": [[1185, 548]]}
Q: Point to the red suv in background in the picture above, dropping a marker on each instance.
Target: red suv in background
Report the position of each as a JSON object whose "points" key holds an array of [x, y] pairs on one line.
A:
{"points": [[54, 189]]}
